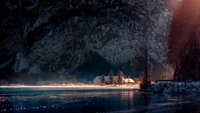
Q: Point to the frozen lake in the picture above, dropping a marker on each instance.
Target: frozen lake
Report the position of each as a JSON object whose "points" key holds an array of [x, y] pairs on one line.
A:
{"points": [[27, 100]]}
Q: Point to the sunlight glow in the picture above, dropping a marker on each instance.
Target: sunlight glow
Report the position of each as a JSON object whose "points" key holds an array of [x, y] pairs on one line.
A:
{"points": [[80, 87]]}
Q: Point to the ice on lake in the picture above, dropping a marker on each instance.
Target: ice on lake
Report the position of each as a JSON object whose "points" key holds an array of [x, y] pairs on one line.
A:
{"points": [[93, 101]]}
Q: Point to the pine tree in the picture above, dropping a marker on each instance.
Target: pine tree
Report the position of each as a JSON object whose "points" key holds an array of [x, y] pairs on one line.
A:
{"points": [[103, 81], [111, 77], [120, 75]]}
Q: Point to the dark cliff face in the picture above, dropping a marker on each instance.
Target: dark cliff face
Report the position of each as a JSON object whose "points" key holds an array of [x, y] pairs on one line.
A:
{"points": [[57, 35]]}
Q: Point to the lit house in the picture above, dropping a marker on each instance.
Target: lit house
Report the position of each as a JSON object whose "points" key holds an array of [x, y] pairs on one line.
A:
{"points": [[97, 79], [128, 80]]}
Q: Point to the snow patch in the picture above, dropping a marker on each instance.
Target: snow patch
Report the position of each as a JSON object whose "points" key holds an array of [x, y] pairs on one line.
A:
{"points": [[20, 63], [176, 87], [35, 69]]}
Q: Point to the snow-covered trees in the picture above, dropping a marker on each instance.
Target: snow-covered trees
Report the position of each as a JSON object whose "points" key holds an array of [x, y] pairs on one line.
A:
{"points": [[62, 35]]}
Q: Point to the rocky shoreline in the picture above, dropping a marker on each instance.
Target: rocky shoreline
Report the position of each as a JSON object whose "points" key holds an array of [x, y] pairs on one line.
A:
{"points": [[175, 87]]}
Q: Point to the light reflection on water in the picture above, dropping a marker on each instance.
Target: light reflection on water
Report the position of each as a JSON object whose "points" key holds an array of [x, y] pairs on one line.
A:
{"points": [[89, 101]]}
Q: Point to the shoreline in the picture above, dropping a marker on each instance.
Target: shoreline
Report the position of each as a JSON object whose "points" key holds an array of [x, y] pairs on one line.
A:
{"points": [[74, 87], [175, 87]]}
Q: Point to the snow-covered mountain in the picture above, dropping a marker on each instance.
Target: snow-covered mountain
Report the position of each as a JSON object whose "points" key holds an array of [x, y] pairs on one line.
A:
{"points": [[57, 35]]}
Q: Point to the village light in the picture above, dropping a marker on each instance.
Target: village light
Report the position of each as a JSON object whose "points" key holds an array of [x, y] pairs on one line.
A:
{"points": [[152, 82]]}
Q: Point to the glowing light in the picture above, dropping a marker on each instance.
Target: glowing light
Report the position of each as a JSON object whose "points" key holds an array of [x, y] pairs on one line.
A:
{"points": [[152, 82], [75, 87], [172, 5]]}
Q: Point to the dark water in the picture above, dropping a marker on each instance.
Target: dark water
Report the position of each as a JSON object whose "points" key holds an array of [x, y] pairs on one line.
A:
{"points": [[94, 101]]}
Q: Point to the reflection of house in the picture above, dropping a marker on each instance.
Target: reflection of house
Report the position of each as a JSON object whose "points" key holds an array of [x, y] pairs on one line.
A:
{"points": [[97, 80]]}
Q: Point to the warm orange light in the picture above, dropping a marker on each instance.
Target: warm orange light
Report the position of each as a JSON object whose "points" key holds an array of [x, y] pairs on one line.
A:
{"points": [[136, 86]]}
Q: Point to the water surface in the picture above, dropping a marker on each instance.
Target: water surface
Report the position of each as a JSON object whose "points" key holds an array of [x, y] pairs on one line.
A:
{"points": [[93, 101]]}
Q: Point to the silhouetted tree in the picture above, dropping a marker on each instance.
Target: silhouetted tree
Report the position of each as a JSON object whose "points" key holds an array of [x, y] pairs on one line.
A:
{"points": [[103, 81], [111, 77], [184, 40], [142, 61]]}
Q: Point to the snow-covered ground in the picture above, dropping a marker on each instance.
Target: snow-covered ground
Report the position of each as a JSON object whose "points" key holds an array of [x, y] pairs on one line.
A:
{"points": [[176, 87], [76, 87]]}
